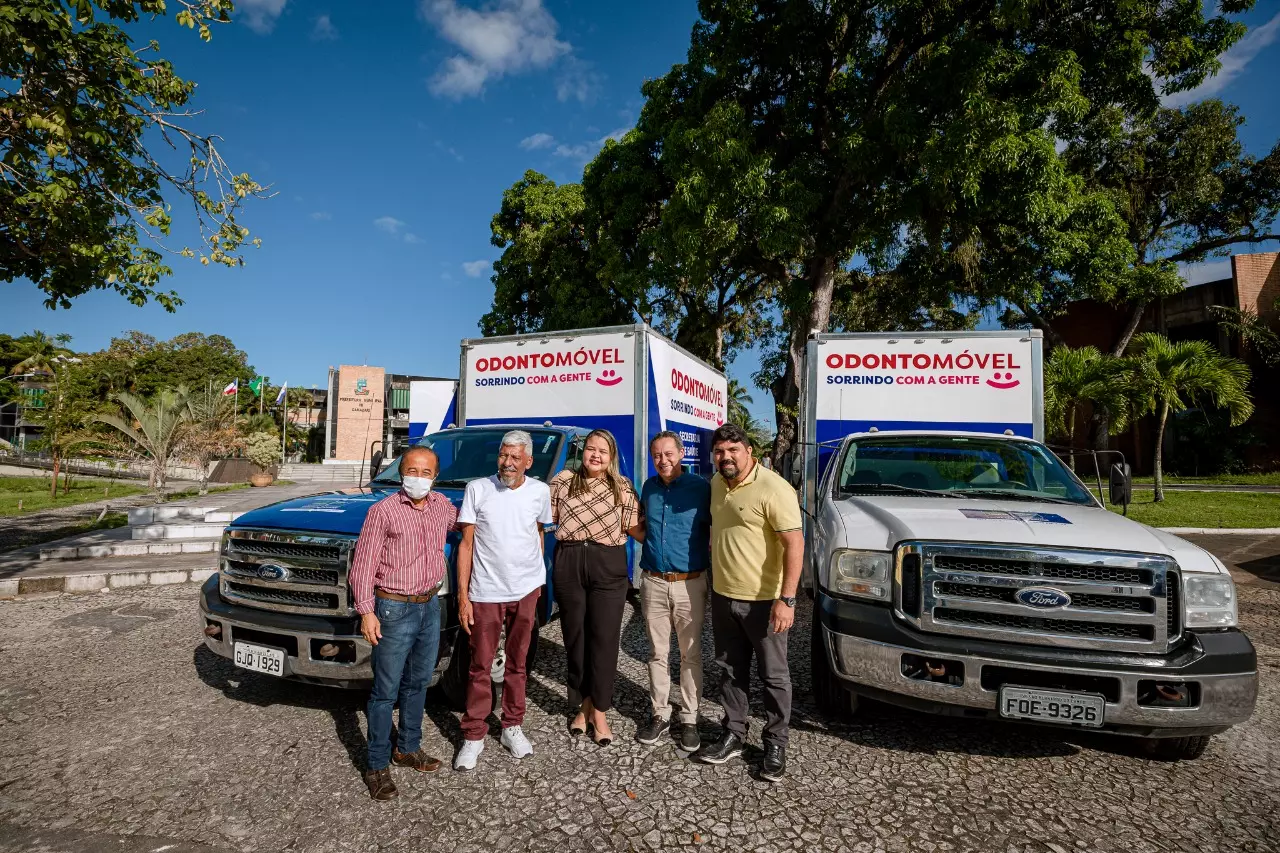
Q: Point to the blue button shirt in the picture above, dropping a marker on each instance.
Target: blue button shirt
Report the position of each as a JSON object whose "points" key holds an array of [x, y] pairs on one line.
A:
{"points": [[677, 524]]}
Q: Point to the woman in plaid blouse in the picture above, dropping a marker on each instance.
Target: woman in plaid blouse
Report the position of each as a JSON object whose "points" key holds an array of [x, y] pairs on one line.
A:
{"points": [[595, 510]]}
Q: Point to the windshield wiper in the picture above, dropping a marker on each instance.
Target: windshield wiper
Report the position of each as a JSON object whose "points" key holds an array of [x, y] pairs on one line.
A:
{"points": [[911, 490], [1010, 494]]}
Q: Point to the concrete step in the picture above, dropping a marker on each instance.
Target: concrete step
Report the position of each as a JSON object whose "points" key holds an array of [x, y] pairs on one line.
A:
{"points": [[179, 530], [131, 549], [222, 516], [152, 514]]}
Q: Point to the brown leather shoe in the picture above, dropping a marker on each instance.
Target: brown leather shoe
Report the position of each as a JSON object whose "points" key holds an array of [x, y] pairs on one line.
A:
{"points": [[380, 785], [419, 761]]}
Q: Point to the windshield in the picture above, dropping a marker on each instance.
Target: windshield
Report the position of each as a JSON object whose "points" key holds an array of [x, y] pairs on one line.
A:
{"points": [[467, 454], [957, 466]]}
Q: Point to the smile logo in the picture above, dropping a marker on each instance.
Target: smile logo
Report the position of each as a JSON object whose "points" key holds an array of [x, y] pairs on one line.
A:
{"points": [[608, 378], [1006, 382]]}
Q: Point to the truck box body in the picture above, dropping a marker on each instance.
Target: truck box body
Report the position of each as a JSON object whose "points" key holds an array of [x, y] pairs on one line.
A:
{"points": [[433, 405], [627, 379]]}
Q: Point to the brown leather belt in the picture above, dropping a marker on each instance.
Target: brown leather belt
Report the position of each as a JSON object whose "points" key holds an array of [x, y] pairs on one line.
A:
{"points": [[671, 577], [412, 599]]}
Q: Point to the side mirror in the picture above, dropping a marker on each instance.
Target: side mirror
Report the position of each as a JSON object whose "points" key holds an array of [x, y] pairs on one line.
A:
{"points": [[375, 464], [1120, 480]]}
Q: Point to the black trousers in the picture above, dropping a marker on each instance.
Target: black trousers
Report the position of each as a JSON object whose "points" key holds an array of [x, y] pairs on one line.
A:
{"points": [[591, 588], [742, 631]]}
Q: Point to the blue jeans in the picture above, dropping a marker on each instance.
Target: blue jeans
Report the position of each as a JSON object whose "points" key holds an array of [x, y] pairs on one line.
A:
{"points": [[403, 662]]}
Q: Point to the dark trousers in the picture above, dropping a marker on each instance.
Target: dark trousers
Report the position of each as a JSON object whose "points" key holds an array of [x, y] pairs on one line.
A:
{"points": [[591, 588], [403, 662], [520, 619], [741, 630]]}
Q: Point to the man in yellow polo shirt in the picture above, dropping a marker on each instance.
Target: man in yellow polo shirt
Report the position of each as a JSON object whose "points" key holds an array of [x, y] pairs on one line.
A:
{"points": [[757, 549]]}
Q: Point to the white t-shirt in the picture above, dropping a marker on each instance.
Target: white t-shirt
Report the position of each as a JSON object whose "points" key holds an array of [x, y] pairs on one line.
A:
{"points": [[506, 563]]}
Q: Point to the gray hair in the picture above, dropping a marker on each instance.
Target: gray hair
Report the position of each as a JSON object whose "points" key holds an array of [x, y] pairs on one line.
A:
{"points": [[519, 437]]}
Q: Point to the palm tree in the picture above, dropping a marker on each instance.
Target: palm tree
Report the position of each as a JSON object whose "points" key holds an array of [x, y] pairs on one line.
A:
{"points": [[1172, 377], [210, 433], [739, 398], [39, 352], [152, 428], [1076, 377]]}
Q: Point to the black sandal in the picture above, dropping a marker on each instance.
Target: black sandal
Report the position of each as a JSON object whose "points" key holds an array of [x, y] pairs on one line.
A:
{"points": [[600, 742]]}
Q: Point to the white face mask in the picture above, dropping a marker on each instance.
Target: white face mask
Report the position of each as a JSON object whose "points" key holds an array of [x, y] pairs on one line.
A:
{"points": [[417, 487]]}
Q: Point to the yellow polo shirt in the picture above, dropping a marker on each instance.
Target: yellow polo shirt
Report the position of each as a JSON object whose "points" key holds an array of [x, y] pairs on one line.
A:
{"points": [[746, 554]]}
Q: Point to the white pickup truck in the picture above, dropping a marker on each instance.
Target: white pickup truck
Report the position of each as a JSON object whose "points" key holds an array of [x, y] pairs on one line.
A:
{"points": [[959, 567]]}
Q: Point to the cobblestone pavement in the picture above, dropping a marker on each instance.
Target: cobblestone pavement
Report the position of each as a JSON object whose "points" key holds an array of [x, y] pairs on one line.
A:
{"points": [[119, 731]]}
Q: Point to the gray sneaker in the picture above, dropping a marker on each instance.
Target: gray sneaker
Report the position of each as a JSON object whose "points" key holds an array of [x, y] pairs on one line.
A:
{"points": [[468, 755], [514, 741]]}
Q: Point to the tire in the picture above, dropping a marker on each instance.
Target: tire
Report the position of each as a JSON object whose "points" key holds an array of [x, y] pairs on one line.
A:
{"points": [[1178, 748], [833, 700]]}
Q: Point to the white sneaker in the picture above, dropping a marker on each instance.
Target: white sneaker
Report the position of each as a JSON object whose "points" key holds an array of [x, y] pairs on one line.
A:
{"points": [[516, 743], [468, 755]]}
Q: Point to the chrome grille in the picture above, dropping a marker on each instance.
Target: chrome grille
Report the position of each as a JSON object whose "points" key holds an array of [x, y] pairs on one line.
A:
{"points": [[1118, 601], [315, 579]]}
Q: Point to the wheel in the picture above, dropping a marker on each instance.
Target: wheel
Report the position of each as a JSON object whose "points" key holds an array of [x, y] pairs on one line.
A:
{"points": [[831, 696], [1178, 748]]}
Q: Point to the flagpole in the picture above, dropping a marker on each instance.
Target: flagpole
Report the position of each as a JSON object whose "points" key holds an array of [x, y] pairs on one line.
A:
{"points": [[284, 422]]}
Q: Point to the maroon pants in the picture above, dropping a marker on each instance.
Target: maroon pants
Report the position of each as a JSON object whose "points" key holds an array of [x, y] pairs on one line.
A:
{"points": [[520, 618]]}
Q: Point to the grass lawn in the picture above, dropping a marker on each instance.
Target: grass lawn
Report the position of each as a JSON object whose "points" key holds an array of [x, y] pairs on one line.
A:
{"points": [[28, 538], [34, 493], [1206, 509], [1272, 479]]}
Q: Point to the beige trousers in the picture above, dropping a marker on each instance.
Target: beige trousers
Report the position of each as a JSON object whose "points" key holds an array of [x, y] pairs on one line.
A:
{"points": [[680, 605]]}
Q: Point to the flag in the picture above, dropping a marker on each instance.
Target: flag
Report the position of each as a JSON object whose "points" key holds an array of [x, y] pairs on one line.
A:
{"points": [[255, 385], [232, 388], [280, 396]]}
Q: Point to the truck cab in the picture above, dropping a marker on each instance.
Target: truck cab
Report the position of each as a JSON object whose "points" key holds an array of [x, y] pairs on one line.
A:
{"points": [[959, 567], [280, 602]]}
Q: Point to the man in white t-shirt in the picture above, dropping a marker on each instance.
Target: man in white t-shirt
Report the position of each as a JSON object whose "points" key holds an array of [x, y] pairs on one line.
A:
{"points": [[500, 578]]}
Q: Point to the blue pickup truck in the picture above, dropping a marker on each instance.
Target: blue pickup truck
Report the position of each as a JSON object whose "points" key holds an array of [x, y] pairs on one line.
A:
{"points": [[280, 603]]}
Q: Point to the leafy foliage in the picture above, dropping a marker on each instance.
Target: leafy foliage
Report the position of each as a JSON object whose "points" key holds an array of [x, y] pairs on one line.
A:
{"points": [[1172, 377], [150, 428], [210, 432], [85, 201], [1075, 378], [263, 450], [64, 416]]}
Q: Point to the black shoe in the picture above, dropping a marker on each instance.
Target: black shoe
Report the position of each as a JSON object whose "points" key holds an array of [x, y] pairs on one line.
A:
{"points": [[690, 740], [726, 747], [653, 730], [774, 766]]}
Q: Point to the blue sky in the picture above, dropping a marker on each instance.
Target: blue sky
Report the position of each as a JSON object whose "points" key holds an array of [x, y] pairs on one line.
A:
{"points": [[388, 132]]}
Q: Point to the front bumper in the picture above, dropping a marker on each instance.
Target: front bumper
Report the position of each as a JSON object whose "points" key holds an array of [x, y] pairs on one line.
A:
{"points": [[865, 647], [299, 637]]}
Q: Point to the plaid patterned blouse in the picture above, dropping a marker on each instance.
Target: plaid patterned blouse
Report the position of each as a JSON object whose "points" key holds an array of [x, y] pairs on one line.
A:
{"points": [[593, 515]]}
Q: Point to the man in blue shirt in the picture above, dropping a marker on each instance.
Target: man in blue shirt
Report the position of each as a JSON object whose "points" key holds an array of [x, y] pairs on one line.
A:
{"points": [[675, 526]]}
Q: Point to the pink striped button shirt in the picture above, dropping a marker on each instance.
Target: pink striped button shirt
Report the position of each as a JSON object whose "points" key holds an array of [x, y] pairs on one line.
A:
{"points": [[401, 547]]}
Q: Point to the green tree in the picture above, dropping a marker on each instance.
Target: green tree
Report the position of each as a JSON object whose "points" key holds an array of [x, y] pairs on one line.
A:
{"points": [[855, 118], [143, 365], [1076, 378], [1172, 377], [66, 410], [210, 432], [263, 450], [37, 352], [87, 179], [1256, 334], [152, 429], [738, 399]]}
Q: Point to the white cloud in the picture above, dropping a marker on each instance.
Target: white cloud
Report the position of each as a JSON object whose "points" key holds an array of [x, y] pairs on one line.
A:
{"points": [[324, 30], [503, 37], [615, 135], [260, 15], [389, 224], [321, 216], [1204, 272], [412, 239], [475, 269], [575, 152], [1234, 62], [577, 82], [538, 140]]}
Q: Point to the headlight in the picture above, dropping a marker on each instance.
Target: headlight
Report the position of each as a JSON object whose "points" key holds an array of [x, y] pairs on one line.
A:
{"points": [[1209, 601], [864, 574]]}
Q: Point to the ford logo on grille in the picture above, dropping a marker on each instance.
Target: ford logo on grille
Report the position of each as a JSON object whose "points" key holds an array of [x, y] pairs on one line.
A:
{"points": [[272, 572], [1042, 597]]}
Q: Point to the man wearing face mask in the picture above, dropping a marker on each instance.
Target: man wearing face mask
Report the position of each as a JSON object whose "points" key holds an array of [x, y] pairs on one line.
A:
{"points": [[500, 577], [396, 572]]}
